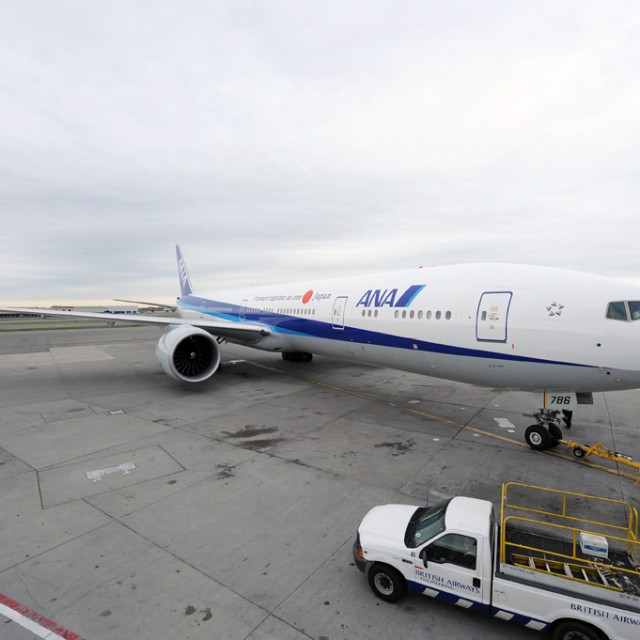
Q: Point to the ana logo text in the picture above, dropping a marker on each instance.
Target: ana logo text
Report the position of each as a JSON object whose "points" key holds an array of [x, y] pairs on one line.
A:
{"points": [[390, 297]]}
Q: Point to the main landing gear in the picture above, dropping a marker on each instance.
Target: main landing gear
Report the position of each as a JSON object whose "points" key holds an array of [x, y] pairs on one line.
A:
{"points": [[297, 356], [546, 433]]}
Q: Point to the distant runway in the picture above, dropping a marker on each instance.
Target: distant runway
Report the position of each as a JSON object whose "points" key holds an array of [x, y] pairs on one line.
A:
{"points": [[136, 507]]}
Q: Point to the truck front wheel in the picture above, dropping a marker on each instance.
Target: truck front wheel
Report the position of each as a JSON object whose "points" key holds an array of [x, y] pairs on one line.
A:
{"points": [[575, 630], [386, 582]]}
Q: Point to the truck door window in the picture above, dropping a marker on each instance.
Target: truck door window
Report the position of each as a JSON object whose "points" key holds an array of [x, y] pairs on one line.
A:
{"points": [[453, 548]]}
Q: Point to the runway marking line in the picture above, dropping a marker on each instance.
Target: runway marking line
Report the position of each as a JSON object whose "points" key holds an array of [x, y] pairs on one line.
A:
{"points": [[34, 622], [124, 469]]}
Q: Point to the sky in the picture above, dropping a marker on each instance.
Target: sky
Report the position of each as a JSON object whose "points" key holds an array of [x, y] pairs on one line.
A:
{"points": [[282, 140]]}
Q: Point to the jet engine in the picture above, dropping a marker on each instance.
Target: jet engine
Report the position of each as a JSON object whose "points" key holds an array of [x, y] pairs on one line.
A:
{"points": [[188, 354]]}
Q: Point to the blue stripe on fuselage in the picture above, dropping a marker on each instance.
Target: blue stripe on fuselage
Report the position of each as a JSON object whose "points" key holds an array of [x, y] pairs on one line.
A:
{"points": [[293, 325]]}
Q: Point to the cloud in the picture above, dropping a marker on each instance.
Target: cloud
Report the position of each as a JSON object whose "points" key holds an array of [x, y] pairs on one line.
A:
{"points": [[283, 138]]}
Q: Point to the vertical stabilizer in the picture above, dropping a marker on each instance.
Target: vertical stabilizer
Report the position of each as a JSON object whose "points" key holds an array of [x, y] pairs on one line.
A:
{"points": [[185, 281]]}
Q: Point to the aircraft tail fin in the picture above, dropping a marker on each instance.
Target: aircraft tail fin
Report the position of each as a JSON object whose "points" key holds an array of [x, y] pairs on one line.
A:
{"points": [[185, 281]]}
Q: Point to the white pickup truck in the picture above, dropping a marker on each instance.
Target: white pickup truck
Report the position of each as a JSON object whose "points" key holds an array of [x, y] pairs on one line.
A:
{"points": [[548, 564]]}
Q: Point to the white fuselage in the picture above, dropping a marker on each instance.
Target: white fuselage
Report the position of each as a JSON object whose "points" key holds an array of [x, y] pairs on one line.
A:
{"points": [[507, 326]]}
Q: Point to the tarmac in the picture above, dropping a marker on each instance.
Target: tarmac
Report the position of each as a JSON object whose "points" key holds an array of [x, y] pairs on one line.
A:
{"points": [[137, 507]]}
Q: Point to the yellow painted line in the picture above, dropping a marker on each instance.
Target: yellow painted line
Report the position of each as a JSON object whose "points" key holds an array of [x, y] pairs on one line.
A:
{"points": [[371, 398], [441, 420], [594, 465]]}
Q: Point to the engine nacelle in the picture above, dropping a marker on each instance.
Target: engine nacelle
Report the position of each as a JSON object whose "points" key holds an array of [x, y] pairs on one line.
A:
{"points": [[188, 354]]}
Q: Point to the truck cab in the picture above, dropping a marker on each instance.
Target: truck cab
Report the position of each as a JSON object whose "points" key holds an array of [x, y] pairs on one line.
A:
{"points": [[445, 551]]}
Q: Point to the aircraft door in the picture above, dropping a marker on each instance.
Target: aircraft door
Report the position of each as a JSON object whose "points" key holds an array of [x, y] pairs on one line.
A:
{"points": [[243, 309], [450, 568], [339, 308], [492, 316]]}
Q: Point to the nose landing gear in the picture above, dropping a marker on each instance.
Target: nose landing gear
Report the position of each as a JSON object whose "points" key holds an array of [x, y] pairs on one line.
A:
{"points": [[546, 433]]}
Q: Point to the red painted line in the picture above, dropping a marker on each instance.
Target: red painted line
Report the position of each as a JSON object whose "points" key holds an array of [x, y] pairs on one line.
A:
{"points": [[39, 619]]}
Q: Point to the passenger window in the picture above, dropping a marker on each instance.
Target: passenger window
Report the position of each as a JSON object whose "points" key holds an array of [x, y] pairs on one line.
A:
{"points": [[617, 311], [634, 309], [453, 549]]}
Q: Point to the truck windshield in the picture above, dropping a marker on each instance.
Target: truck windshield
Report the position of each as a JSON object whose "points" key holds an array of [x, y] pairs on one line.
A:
{"points": [[425, 523]]}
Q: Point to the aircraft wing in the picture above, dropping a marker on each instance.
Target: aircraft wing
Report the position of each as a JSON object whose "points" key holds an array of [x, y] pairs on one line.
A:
{"points": [[233, 330], [160, 305]]}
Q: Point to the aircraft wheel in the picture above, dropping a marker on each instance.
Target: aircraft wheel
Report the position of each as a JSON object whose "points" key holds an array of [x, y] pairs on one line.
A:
{"points": [[538, 437], [297, 356], [556, 434]]}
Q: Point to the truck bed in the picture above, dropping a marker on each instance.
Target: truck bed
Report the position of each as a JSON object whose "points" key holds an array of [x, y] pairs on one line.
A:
{"points": [[551, 561]]}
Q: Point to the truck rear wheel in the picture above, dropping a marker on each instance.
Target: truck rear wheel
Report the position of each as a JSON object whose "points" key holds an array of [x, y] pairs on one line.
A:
{"points": [[386, 582], [575, 630]]}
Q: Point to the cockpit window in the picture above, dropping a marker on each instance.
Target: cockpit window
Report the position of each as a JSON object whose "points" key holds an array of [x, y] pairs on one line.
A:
{"points": [[624, 310], [617, 311]]}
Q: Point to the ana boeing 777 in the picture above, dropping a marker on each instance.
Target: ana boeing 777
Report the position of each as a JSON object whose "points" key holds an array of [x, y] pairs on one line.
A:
{"points": [[560, 334]]}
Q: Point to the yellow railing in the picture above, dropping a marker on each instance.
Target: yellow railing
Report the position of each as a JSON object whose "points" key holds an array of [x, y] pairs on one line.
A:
{"points": [[626, 534], [572, 558]]}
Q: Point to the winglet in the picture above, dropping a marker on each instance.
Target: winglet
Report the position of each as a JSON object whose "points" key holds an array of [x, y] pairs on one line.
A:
{"points": [[185, 281]]}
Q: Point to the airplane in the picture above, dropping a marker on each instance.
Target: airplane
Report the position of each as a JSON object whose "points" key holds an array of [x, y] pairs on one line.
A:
{"points": [[559, 334]]}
